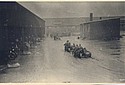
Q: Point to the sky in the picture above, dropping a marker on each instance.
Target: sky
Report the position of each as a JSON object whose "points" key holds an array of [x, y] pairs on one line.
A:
{"points": [[75, 9]]}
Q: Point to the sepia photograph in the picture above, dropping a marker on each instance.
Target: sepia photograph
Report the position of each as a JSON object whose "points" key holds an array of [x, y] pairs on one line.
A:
{"points": [[62, 42]]}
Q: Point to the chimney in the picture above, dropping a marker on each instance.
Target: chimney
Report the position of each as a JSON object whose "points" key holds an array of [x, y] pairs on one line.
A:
{"points": [[91, 16]]}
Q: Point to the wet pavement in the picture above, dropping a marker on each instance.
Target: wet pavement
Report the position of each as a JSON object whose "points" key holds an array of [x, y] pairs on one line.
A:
{"points": [[48, 63]]}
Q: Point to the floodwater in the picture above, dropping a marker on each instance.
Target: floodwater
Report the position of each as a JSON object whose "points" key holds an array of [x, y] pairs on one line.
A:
{"points": [[48, 63]]}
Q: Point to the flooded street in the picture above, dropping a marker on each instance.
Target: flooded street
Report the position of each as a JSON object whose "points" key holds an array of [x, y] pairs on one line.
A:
{"points": [[48, 63]]}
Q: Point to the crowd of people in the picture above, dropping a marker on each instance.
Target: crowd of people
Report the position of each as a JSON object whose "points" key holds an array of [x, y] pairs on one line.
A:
{"points": [[76, 50]]}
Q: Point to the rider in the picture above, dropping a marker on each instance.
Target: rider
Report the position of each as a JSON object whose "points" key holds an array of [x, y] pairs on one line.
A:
{"points": [[80, 50], [84, 50], [76, 51], [72, 48], [67, 46]]}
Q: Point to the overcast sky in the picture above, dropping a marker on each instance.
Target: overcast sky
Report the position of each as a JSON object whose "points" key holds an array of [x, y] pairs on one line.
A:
{"points": [[68, 9]]}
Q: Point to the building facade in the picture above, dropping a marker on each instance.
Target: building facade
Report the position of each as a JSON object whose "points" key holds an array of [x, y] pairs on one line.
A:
{"points": [[63, 25], [72, 25], [16, 22], [106, 29]]}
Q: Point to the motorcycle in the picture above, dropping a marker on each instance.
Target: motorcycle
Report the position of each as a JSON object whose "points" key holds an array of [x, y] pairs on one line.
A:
{"points": [[82, 54], [57, 38], [12, 54], [87, 54]]}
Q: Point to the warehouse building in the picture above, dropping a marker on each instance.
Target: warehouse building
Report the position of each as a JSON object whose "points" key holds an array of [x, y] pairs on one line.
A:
{"points": [[106, 29], [16, 22], [63, 26]]}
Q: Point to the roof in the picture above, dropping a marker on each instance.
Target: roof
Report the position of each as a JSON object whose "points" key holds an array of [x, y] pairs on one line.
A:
{"points": [[100, 20]]}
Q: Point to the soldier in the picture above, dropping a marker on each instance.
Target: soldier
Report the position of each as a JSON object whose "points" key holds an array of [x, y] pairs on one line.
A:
{"points": [[67, 46], [21, 45], [17, 44], [76, 51], [55, 37], [80, 51], [72, 48]]}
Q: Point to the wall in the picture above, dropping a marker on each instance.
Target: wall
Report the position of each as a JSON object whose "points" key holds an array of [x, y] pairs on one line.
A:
{"points": [[102, 29], [16, 22], [63, 25]]}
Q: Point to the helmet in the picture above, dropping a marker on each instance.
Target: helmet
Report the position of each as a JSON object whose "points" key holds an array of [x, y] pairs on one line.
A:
{"points": [[67, 40]]}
